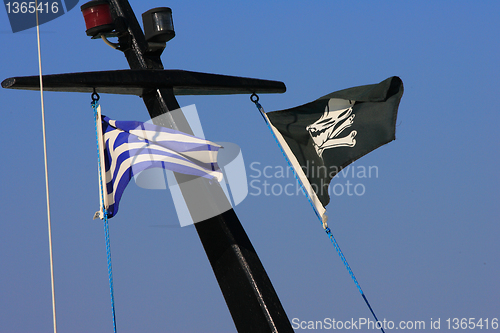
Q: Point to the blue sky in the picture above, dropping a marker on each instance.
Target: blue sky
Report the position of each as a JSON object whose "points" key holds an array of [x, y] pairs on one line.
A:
{"points": [[422, 239]]}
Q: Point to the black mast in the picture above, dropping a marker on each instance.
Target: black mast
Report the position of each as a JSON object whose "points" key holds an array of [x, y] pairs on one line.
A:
{"points": [[249, 294]]}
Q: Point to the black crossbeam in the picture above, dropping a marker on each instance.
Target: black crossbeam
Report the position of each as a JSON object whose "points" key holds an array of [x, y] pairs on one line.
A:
{"points": [[138, 81]]}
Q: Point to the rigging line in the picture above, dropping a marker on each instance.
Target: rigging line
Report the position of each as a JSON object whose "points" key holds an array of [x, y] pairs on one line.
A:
{"points": [[46, 172], [325, 225], [110, 268], [100, 162]]}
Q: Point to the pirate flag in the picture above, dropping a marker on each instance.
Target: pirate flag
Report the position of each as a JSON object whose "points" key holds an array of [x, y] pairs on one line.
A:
{"points": [[322, 137]]}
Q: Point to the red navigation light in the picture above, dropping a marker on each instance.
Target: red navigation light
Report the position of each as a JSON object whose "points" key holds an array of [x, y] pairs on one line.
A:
{"points": [[97, 17]]}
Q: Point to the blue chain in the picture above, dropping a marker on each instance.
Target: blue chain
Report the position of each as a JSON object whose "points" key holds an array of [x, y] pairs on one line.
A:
{"points": [[254, 98], [95, 105]]}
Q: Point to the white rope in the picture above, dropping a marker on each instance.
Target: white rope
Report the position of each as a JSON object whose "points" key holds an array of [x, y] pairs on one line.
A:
{"points": [[46, 172]]}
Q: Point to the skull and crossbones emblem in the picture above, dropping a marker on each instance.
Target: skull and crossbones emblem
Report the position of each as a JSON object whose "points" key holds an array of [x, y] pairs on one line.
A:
{"points": [[326, 130]]}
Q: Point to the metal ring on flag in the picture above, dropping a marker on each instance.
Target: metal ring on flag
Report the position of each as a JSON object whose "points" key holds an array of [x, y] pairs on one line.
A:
{"points": [[95, 96], [254, 98]]}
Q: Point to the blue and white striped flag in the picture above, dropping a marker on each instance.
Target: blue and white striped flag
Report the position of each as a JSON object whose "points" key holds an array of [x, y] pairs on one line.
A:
{"points": [[129, 147]]}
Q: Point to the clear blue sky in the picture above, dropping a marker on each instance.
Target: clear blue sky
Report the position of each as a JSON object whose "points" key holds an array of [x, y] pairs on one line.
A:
{"points": [[422, 240]]}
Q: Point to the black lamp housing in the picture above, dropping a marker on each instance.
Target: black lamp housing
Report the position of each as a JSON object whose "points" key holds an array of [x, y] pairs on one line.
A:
{"points": [[158, 25]]}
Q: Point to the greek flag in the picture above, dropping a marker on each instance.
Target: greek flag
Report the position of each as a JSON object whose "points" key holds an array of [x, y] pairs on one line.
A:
{"points": [[129, 147]]}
